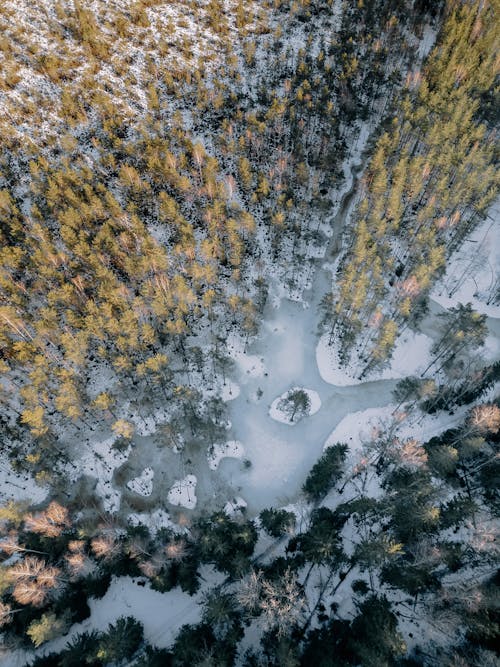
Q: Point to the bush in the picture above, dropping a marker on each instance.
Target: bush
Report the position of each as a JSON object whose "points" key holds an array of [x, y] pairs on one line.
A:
{"points": [[48, 627], [360, 586]]}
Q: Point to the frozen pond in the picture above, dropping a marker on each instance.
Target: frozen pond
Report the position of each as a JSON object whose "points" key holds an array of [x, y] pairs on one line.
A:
{"points": [[281, 455]]}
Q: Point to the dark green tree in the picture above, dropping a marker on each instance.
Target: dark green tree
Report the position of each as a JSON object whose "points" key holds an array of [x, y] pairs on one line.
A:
{"points": [[121, 640], [326, 472], [277, 522], [225, 542], [374, 638]]}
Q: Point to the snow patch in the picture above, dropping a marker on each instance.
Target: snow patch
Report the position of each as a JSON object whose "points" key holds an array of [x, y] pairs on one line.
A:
{"points": [[154, 520], [230, 390], [144, 425], [183, 492], [410, 356], [235, 506], [218, 451], [358, 427], [329, 365], [19, 486], [143, 484]]}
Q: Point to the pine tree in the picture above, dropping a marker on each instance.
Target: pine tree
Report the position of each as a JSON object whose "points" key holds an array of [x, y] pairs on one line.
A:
{"points": [[120, 641]]}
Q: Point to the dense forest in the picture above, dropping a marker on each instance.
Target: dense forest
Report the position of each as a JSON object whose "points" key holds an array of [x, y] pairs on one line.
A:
{"points": [[207, 208]]}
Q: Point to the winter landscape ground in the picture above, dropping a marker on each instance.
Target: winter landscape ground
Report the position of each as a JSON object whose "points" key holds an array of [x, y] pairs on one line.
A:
{"points": [[249, 333]]}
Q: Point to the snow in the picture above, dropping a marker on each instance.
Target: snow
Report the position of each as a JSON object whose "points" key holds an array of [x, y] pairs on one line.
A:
{"points": [[427, 41], [154, 520], [100, 463], [235, 506], [425, 426], [227, 390], [472, 273], [411, 355], [19, 486], [162, 614], [230, 391], [490, 351], [143, 484], [231, 448], [281, 456], [329, 365], [284, 416], [183, 492], [358, 427], [249, 364], [143, 425]]}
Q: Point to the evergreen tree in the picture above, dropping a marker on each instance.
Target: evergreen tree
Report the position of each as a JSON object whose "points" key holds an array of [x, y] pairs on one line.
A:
{"points": [[326, 472], [121, 641]]}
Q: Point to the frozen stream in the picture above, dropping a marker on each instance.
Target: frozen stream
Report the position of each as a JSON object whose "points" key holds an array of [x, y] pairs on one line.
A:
{"points": [[282, 455]]}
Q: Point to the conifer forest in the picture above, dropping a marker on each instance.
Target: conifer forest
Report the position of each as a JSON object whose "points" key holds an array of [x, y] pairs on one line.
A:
{"points": [[249, 333]]}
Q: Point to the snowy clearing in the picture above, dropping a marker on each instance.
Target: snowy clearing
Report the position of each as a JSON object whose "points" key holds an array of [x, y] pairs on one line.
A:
{"points": [[17, 486], [359, 427], [472, 274], [249, 364], [154, 520]]}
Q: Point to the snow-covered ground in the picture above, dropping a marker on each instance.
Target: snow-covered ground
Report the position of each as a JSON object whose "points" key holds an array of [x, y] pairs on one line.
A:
{"points": [[19, 487], [359, 427], [143, 484], [183, 492], [231, 448], [411, 356], [154, 520], [162, 615], [473, 271]]}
